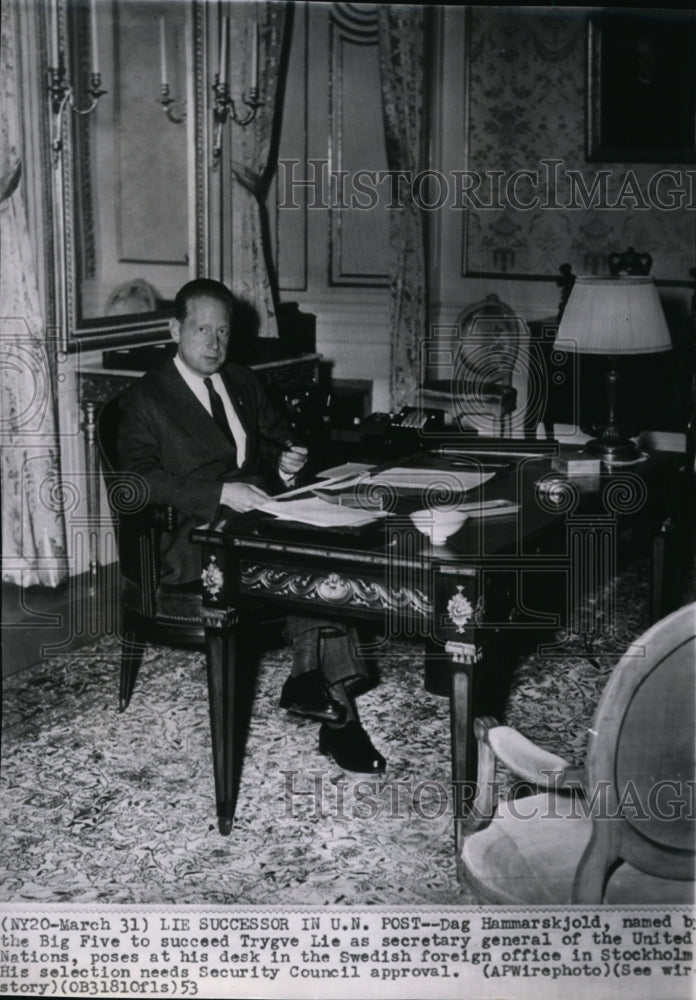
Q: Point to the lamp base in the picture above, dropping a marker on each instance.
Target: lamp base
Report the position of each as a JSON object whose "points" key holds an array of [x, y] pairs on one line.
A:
{"points": [[613, 450]]}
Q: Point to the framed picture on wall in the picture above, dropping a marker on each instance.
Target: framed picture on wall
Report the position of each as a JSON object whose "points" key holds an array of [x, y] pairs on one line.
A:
{"points": [[641, 87]]}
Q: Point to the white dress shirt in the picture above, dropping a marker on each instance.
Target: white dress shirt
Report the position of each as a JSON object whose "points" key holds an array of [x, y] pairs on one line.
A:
{"points": [[199, 389]]}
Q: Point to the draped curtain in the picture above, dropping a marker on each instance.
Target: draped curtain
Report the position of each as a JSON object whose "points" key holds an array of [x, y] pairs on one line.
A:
{"points": [[33, 530], [401, 53], [254, 152]]}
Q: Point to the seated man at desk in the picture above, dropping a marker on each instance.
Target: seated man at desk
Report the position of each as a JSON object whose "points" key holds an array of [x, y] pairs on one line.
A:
{"points": [[202, 432]]}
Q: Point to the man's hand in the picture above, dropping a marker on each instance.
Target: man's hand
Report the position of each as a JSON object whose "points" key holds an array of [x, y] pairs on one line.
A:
{"points": [[242, 496], [292, 460]]}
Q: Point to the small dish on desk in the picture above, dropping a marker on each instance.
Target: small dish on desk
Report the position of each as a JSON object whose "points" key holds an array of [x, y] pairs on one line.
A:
{"points": [[441, 522], [438, 524]]}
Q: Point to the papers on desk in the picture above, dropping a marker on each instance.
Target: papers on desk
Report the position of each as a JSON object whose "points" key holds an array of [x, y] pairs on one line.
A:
{"points": [[419, 478], [320, 513], [488, 508], [335, 486], [347, 469]]}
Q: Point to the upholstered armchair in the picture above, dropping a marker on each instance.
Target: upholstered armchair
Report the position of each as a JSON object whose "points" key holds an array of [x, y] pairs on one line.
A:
{"points": [[620, 830]]}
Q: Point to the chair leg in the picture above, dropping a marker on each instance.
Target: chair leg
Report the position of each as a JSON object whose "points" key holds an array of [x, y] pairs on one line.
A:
{"points": [[131, 658]]}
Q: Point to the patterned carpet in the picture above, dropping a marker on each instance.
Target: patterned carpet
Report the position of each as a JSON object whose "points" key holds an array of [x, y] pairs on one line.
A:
{"points": [[98, 806]]}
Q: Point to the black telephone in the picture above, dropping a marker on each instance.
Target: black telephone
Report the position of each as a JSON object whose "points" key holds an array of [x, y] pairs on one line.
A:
{"points": [[408, 418], [404, 430]]}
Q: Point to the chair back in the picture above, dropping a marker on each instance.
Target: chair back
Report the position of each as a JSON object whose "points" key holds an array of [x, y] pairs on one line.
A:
{"points": [[107, 434], [490, 333], [147, 613], [135, 523], [641, 763], [136, 296]]}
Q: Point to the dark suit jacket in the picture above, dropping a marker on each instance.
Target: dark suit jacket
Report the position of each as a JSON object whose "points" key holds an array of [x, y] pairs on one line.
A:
{"points": [[169, 438]]}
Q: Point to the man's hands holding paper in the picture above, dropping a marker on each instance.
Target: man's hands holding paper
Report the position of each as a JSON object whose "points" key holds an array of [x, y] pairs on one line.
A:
{"points": [[243, 496], [291, 461]]}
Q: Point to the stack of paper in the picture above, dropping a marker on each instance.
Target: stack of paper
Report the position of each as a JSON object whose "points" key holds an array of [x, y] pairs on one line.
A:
{"points": [[314, 510], [418, 478], [347, 469]]}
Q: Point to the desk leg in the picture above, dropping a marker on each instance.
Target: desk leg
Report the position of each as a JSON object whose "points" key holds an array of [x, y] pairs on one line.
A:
{"points": [[664, 572], [478, 687], [458, 614], [220, 651], [462, 727]]}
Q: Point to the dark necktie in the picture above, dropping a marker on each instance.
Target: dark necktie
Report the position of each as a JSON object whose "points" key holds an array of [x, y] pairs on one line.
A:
{"points": [[218, 410]]}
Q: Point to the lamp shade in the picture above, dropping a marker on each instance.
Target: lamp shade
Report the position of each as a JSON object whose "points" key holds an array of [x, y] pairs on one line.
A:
{"points": [[617, 315]]}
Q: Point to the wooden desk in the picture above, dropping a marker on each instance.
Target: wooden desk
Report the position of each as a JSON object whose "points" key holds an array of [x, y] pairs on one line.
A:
{"points": [[463, 598]]}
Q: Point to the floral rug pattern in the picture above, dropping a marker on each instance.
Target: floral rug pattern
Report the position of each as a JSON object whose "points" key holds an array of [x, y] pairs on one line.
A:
{"points": [[120, 808]]}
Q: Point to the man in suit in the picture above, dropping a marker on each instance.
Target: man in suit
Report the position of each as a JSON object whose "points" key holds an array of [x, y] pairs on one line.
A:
{"points": [[201, 432]]}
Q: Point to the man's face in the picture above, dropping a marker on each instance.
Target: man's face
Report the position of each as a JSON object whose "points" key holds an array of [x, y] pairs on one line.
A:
{"points": [[203, 335]]}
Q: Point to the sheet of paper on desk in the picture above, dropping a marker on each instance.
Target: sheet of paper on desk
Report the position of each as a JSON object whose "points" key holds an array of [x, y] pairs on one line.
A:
{"points": [[419, 478], [313, 510], [347, 469], [342, 484]]}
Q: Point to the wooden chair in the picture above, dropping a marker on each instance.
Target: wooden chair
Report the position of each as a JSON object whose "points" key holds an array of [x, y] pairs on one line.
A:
{"points": [[148, 612], [619, 831], [480, 389]]}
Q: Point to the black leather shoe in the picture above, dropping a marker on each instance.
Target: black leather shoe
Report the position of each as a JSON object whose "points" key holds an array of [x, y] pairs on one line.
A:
{"points": [[351, 748], [358, 685], [306, 694]]}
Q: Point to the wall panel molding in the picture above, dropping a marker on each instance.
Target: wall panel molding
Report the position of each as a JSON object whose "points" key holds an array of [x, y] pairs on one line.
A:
{"points": [[151, 160], [358, 236]]}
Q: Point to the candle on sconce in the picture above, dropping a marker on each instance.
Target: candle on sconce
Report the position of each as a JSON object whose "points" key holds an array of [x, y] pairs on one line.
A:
{"points": [[163, 51], [255, 56], [222, 69], [55, 37], [95, 37]]}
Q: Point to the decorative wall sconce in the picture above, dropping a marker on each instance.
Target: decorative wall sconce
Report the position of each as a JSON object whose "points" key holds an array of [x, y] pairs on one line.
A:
{"points": [[165, 99], [225, 108], [60, 89]]}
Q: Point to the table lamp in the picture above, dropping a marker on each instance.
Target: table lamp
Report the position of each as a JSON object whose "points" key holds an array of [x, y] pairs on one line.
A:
{"points": [[613, 316]]}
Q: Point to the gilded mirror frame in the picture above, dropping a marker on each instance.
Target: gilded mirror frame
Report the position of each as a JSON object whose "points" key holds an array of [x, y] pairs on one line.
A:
{"points": [[89, 333]]}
